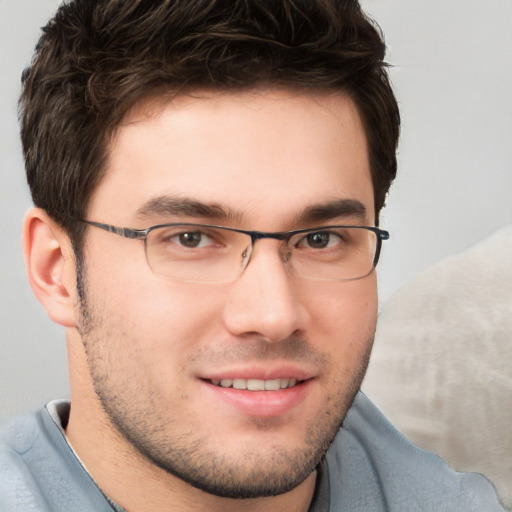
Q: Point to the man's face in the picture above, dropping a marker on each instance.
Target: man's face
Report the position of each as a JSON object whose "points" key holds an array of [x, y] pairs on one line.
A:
{"points": [[158, 348]]}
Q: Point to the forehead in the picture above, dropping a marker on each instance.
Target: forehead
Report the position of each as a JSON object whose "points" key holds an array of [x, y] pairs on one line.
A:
{"points": [[263, 154]]}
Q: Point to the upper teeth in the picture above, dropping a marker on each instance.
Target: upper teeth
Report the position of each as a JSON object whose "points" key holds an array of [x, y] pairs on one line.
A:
{"points": [[255, 384]]}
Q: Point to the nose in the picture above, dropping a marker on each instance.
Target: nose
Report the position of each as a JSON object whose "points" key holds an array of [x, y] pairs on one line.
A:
{"points": [[264, 301]]}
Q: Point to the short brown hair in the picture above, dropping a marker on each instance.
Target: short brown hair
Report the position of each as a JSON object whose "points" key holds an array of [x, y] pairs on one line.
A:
{"points": [[97, 58]]}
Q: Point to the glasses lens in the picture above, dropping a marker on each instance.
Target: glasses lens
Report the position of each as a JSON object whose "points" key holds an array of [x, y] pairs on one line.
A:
{"points": [[196, 253], [334, 254]]}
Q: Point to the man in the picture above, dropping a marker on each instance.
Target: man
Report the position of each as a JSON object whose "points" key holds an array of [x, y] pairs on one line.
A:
{"points": [[208, 178]]}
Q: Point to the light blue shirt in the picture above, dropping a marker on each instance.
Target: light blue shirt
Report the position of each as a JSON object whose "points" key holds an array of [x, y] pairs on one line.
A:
{"points": [[370, 467]]}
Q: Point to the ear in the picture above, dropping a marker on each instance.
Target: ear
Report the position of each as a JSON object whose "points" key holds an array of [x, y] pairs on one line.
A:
{"points": [[50, 264]]}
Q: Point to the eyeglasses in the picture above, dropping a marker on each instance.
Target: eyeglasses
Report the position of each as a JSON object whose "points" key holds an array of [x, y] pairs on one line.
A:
{"points": [[206, 253]]}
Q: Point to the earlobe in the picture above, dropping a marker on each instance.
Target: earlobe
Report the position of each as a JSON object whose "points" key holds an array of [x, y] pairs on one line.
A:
{"points": [[50, 266]]}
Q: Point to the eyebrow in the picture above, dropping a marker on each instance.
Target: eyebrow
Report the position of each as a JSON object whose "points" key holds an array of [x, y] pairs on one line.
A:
{"points": [[174, 205], [332, 210], [183, 206]]}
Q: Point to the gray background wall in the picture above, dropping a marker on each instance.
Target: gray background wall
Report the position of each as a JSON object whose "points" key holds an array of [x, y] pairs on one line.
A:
{"points": [[453, 76]]}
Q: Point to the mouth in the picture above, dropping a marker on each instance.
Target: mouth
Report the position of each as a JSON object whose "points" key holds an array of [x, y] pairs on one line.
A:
{"points": [[256, 384], [260, 397]]}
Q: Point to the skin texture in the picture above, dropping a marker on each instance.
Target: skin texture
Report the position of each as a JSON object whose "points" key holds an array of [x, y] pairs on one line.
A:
{"points": [[145, 418]]}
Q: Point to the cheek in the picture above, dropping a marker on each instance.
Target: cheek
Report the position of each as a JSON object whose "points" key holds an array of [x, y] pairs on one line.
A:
{"points": [[344, 316], [151, 312], [147, 333]]}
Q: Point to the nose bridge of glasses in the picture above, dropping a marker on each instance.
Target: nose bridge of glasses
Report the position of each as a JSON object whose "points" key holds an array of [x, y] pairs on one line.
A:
{"points": [[260, 235], [255, 236]]}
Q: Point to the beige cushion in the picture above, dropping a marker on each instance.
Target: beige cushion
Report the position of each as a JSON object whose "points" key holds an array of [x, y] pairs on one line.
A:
{"points": [[441, 369]]}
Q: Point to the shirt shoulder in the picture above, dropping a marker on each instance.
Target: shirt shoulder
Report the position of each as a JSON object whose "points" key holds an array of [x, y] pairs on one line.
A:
{"points": [[371, 466], [40, 473]]}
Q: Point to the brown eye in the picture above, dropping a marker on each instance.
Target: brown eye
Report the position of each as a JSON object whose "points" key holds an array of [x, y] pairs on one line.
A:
{"points": [[190, 239], [319, 240]]}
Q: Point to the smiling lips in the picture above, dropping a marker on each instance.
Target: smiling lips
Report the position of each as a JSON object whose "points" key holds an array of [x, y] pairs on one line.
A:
{"points": [[255, 384], [264, 398]]}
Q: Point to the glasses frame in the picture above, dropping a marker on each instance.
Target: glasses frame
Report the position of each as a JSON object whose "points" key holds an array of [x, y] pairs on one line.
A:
{"points": [[142, 234]]}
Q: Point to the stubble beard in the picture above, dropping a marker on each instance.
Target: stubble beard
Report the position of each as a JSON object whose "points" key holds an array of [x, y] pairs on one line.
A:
{"points": [[253, 475]]}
